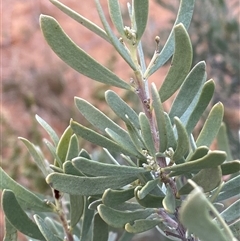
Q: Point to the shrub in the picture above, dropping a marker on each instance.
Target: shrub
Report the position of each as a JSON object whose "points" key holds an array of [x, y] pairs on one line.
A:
{"points": [[155, 173]]}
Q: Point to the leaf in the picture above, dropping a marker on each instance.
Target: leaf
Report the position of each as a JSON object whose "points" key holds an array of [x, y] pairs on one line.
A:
{"points": [[63, 145], [37, 156], [147, 188], [171, 140], [100, 228], [73, 148], [96, 168], [141, 225], [182, 142], [211, 126], [48, 129], [189, 89], [10, 232], [76, 209], [180, 65], [17, 217], [169, 202], [88, 215], [87, 186], [147, 133], [116, 16], [74, 56], [121, 108], [52, 149], [112, 198], [235, 228], [212, 159], [222, 141], [194, 215], [114, 40], [184, 16], [230, 167], [207, 179], [160, 118], [141, 16], [200, 152], [118, 219], [27, 199], [98, 118], [47, 233], [96, 138], [203, 101], [125, 144], [68, 168], [230, 189], [231, 213], [80, 19]]}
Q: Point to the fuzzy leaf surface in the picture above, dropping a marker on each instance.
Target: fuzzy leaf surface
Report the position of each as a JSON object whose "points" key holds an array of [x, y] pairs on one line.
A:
{"points": [[17, 217], [184, 16], [74, 56], [87, 186], [180, 65]]}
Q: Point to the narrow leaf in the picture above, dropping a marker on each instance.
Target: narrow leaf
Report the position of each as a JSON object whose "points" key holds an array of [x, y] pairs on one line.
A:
{"points": [[147, 188], [118, 219], [100, 229], [116, 16], [169, 202], [103, 169], [204, 100], [96, 138], [125, 144], [121, 108], [37, 156], [27, 199], [194, 215], [17, 217], [141, 16], [142, 225], [52, 149], [87, 186], [98, 118], [207, 179], [230, 189], [48, 129], [47, 233], [184, 16], [10, 232], [200, 152], [73, 148], [171, 140], [211, 126], [68, 168], [160, 117], [63, 145], [74, 56], [88, 215], [76, 209], [231, 213], [112, 198], [230, 167], [182, 142], [80, 19], [212, 159], [114, 40], [180, 65], [189, 89], [147, 133], [223, 143]]}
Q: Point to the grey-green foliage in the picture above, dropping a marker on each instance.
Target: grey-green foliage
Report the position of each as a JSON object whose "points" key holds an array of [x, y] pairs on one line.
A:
{"points": [[155, 167]]}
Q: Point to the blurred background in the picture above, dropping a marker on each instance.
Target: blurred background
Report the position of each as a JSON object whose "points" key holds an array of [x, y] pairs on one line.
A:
{"points": [[36, 81]]}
